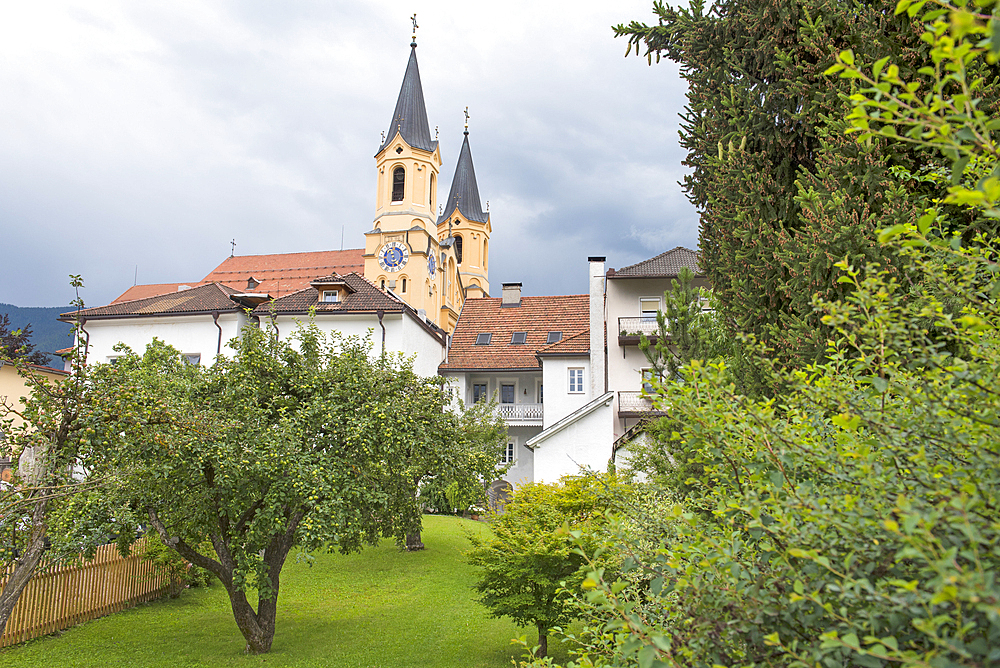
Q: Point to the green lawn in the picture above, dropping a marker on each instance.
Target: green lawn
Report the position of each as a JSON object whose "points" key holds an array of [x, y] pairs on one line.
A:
{"points": [[381, 607]]}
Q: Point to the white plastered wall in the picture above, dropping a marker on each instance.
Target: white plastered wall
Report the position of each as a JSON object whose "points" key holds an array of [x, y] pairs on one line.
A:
{"points": [[189, 334], [402, 335], [584, 444], [559, 401]]}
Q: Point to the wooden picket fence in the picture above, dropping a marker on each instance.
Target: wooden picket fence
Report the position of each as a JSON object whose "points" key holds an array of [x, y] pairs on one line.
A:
{"points": [[60, 596]]}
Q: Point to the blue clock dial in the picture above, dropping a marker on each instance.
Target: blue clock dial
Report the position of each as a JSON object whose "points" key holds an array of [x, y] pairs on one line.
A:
{"points": [[393, 256]]}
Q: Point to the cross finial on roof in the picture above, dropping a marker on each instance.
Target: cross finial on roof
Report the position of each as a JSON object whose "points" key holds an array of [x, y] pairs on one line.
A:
{"points": [[415, 26], [466, 120], [233, 251]]}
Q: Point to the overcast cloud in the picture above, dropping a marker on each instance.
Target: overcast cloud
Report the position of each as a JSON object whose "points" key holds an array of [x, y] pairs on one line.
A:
{"points": [[140, 137]]}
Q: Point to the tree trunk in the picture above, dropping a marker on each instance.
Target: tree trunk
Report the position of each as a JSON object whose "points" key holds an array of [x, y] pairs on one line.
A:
{"points": [[413, 541], [26, 565], [256, 627], [543, 642]]}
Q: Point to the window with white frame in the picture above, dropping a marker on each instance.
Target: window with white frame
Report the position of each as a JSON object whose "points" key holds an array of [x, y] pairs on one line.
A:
{"points": [[575, 380], [194, 359], [508, 455], [648, 306], [331, 295], [478, 392]]}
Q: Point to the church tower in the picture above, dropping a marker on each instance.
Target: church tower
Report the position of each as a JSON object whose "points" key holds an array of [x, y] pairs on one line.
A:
{"points": [[466, 227], [402, 253], [431, 262]]}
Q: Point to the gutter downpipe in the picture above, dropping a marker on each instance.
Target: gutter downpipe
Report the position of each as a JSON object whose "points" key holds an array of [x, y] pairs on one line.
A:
{"points": [[380, 313], [215, 319]]}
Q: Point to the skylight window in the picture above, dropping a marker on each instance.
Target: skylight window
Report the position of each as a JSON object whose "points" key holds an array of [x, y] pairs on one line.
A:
{"points": [[553, 337], [483, 339], [519, 337]]}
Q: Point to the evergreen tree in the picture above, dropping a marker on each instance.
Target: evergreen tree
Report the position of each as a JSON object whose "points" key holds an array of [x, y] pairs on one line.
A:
{"points": [[783, 194], [16, 344]]}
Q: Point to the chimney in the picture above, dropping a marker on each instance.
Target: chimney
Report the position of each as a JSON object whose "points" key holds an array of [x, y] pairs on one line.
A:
{"points": [[597, 334], [511, 295]]}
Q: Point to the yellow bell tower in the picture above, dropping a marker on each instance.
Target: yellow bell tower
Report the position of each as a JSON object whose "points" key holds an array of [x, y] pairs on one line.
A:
{"points": [[401, 252], [432, 262], [465, 227]]}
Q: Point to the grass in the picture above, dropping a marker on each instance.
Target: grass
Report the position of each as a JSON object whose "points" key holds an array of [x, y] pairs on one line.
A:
{"points": [[380, 608]]}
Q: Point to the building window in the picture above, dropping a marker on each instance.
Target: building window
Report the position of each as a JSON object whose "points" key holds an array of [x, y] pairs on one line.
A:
{"points": [[648, 376], [383, 284], [478, 392], [506, 394], [398, 183], [576, 380], [331, 295], [458, 248], [554, 337], [648, 306], [113, 359], [194, 359], [519, 337], [508, 454], [404, 285], [483, 339], [541, 396]]}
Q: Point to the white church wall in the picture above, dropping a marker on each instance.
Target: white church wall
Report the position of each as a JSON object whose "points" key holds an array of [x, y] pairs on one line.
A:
{"points": [[190, 334]]}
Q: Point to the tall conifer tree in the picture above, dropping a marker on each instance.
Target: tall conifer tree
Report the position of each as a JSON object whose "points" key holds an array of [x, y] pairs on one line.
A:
{"points": [[783, 195]]}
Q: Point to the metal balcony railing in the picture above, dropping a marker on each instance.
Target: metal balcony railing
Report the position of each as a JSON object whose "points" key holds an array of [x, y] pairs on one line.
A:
{"points": [[524, 414], [636, 326], [633, 403]]}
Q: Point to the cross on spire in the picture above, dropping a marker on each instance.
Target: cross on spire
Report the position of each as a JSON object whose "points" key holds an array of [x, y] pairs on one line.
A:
{"points": [[415, 26], [466, 120], [233, 251]]}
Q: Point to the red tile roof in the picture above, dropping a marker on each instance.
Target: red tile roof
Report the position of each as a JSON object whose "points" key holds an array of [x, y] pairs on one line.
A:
{"points": [[578, 344], [366, 298], [201, 299], [537, 316], [283, 273], [151, 290]]}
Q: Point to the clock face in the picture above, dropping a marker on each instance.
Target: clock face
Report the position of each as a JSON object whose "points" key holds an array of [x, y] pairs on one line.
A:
{"points": [[393, 256], [431, 265]]}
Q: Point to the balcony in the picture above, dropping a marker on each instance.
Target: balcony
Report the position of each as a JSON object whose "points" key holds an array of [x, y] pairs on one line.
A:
{"points": [[634, 404], [522, 415], [629, 330]]}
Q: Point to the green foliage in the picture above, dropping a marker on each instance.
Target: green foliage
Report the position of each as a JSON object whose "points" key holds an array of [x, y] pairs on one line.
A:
{"points": [[462, 494], [684, 331], [313, 445], [531, 564], [783, 194], [853, 521], [179, 572]]}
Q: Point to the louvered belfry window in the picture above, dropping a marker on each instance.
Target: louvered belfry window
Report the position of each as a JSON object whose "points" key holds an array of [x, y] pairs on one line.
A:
{"points": [[398, 183]]}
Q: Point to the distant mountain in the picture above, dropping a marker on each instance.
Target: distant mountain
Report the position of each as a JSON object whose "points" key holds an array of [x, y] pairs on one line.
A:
{"points": [[47, 333]]}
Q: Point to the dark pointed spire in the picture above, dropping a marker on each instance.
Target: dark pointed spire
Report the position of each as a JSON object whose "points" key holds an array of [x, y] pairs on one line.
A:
{"points": [[464, 194], [410, 117]]}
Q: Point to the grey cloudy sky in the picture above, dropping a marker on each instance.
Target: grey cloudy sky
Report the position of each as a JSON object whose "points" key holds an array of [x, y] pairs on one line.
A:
{"points": [[148, 133]]}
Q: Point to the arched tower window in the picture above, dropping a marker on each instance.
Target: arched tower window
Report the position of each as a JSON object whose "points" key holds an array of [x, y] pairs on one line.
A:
{"points": [[398, 183], [486, 255], [433, 195], [458, 248]]}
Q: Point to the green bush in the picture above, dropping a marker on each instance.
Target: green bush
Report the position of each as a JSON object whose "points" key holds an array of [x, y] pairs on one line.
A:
{"points": [[180, 572]]}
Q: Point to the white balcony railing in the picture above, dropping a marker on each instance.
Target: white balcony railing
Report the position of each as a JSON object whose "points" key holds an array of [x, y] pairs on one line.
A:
{"points": [[636, 326], [523, 414], [634, 403]]}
